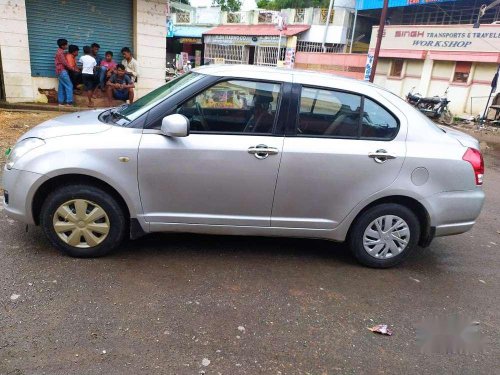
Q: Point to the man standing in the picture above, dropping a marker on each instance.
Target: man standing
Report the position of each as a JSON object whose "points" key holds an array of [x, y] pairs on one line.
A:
{"points": [[120, 86], [65, 89], [130, 64], [74, 72]]}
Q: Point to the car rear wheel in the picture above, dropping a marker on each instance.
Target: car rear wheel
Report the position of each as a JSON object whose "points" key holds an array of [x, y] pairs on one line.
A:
{"points": [[384, 235], [83, 221]]}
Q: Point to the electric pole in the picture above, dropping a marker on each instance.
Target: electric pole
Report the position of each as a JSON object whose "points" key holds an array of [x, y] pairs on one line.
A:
{"points": [[380, 33]]}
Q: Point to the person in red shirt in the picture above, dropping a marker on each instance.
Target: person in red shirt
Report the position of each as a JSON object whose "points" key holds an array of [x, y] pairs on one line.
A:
{"points": [[74, 73], [106, 69], [65, 89]]}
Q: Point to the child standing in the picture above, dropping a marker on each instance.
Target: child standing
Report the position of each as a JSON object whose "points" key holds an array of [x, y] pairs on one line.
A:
{"points": [[65, 89], [88, 78]]}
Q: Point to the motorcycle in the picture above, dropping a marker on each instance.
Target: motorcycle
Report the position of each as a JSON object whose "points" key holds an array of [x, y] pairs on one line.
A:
{"points": [[435, 107], [172, 71]]}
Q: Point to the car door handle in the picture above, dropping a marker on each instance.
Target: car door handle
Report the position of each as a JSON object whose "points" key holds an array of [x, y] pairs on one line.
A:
{"points": [[381, 156], [262, 151]]}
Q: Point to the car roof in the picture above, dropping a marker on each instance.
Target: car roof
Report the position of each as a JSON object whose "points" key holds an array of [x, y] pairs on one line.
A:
{"points": [[284, 75]]}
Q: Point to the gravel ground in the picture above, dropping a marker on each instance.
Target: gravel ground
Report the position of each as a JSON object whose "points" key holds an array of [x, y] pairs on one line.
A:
{"points": [[14, 124]]}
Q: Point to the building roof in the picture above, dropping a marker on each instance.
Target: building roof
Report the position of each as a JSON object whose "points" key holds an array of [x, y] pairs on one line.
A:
{"points": [[256, 30]]}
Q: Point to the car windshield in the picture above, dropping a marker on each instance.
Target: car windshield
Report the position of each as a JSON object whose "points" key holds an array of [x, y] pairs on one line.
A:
{"points": [[129, 113]]}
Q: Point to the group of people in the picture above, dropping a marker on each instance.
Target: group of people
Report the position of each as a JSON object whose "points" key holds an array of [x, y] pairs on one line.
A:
{"points": [[94, 73]]}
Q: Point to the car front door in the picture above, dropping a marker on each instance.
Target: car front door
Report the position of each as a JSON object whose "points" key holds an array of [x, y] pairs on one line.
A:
{"points": [[224, 172], [346, 147]]}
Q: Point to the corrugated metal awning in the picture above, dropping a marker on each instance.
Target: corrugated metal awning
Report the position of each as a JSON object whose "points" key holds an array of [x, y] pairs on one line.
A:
{"points": [[257, 30], [191, 31]]}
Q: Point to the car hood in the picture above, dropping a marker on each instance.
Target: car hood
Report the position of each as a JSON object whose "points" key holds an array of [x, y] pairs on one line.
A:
{"points": [[465, 139], [86, 122]]}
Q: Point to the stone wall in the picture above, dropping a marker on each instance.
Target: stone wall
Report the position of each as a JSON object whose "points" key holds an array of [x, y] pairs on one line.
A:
{"points": [[14, 50]]}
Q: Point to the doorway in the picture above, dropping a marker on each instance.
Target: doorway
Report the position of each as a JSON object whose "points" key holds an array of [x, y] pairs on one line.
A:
{"points": [[251, 54]]}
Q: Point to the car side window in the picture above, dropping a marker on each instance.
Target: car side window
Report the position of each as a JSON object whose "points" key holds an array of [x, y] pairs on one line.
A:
{"points": [[377, 122], [328, 113], [235, 106]]}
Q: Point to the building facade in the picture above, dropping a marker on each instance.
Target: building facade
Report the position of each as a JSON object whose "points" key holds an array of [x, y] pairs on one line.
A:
{"points": [[433, 59], [30, 28], [251, 37]]}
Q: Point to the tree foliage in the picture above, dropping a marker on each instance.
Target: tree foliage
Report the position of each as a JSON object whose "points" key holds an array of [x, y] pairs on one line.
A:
{"points": [[228, 5], [284, 4]]}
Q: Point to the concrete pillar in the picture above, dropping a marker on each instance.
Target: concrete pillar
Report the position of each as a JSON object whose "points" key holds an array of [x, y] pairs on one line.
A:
{"points": [[425, 79], [15, 52], [150, 38], [308, 16], [291, 42], [466, 106]]}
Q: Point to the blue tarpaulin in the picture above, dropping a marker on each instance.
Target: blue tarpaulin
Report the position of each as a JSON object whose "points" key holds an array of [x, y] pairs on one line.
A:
{"points": [[377, 4], [190, 31]]}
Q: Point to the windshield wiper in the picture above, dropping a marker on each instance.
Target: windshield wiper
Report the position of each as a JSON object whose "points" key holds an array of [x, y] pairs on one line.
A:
{"points": [[115, 113]]}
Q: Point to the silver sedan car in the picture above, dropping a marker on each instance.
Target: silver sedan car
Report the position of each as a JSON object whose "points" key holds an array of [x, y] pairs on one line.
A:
{"points": [[241, 150]]}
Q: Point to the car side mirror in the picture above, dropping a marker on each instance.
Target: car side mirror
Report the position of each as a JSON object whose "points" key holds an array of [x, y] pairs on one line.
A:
{"points": [[175, 125]]}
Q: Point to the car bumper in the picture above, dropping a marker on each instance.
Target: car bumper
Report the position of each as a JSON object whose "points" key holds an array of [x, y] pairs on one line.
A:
{"points": [[20, 187], [454, 212]]}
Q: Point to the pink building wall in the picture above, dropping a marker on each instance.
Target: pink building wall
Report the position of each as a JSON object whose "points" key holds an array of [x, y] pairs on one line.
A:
{"points": [[343, 64]]}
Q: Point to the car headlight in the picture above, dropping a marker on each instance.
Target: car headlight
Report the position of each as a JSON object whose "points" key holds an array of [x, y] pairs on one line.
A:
{"points": [[22, 148]]}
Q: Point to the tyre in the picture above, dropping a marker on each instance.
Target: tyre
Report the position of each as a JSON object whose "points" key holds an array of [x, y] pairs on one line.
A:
{"points": [[384, 235], [83, 221], [447, 117]]}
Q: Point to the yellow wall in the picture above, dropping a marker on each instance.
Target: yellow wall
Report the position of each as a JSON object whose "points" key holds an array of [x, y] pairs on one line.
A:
{"points": [[433, 78]]}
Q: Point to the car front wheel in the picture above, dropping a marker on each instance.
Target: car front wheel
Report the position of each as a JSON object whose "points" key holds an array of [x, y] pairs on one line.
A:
{"points": [[83, 221], [384, 235]]}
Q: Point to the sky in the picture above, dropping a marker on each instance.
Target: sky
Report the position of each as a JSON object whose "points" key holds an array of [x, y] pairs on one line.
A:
{"points": [[245, 4]]}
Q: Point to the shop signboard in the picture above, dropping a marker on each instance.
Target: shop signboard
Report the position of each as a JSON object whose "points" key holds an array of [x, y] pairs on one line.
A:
{"points": [[190, 40], [243, 40], [463, 38], [170, 28], [184, 58], [368, 67], [289, 58]]}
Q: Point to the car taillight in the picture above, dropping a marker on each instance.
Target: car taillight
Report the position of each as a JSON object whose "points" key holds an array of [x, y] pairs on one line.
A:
{"points": [[475, 158]]}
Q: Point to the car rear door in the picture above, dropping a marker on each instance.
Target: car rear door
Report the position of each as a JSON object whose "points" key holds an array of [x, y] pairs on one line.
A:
{"points": [[342, 147], [225, 171]]}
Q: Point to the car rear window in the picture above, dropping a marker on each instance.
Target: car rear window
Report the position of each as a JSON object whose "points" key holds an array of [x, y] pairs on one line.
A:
{"points": [[339, 114]]}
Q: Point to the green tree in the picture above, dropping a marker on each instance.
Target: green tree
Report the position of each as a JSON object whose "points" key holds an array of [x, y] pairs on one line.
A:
{"points": [[228, 5]]}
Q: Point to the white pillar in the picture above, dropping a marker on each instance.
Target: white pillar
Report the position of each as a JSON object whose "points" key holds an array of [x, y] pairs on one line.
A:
{"points": [[425, 78], [150, 43], [15, 51]]}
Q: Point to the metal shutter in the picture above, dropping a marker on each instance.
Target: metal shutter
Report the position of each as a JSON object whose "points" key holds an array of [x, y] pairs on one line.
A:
{"points": [[108, 23]]}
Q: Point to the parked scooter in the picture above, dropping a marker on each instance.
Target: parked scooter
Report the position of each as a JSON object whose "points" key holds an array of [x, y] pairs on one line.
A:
{"points": [[435, 107]]}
